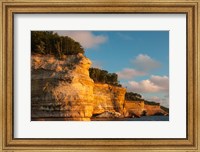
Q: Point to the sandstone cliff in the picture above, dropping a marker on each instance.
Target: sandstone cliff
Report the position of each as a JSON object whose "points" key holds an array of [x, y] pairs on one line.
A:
{"points": [[134, 108], [108, 98], [139, 108], [62, 88], [154, 110]]}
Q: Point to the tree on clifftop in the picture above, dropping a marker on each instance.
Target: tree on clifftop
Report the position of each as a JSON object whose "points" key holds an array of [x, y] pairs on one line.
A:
{"points": [[131, 96], [46, 42], [102, 76]]}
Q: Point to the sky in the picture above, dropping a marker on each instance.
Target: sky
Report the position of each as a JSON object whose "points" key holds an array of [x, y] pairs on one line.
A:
{"points": [[140, 58]]}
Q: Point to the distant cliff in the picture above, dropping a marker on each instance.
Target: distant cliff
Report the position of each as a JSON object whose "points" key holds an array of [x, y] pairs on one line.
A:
{"points": [[140, 108]]}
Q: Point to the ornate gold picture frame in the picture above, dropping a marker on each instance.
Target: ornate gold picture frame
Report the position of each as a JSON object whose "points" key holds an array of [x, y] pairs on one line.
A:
{"points": [[11, 7]]}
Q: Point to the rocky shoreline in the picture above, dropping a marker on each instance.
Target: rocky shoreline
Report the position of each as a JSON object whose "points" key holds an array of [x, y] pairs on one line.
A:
{"points": [[62, 89]]}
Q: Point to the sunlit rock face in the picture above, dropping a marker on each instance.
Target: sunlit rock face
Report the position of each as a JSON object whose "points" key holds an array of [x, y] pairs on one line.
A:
{"points": [[139, 108], [154, 110], [108, 98], [134, 108], [61, 87]]}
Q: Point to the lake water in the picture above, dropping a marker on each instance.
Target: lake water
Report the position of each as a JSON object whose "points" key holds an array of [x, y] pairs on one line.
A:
{"points": [[144, 118], [149, 118]]}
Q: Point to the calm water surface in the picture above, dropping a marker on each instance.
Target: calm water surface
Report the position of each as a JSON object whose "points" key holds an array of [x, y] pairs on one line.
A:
{"points": [[144, 118], [149, 118]]}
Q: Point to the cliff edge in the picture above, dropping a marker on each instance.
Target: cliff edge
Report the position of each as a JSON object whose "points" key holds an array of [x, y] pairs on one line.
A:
{"points": [[62, 88]]}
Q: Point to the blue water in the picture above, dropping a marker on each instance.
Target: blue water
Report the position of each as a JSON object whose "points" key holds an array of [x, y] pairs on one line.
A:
{"points": [[148, 118], [144, 118]]}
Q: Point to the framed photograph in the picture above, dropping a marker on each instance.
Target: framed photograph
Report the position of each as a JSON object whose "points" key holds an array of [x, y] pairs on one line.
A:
{"points": [[99, 76]]}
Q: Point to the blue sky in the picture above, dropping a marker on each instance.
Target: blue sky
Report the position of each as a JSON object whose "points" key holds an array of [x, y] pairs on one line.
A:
{"points": [[140, 58]]}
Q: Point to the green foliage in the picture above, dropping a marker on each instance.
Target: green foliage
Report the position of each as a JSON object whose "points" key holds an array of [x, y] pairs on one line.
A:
{"points": [[151, 103], [131, 96], [45, 42], [102, 76]]}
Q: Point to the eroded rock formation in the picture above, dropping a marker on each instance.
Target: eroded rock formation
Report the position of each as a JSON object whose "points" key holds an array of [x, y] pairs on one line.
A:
{"points": [[108, 98], [62, 88], [139, 108]]}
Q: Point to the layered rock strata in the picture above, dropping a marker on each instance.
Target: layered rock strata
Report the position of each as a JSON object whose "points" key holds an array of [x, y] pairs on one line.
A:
{"points": [[139, 108], [108, 98], [61, 87]]}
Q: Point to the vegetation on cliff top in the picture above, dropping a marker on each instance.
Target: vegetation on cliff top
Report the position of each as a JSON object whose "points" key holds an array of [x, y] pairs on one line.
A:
{"points": [[131, 96], [151, 103], [102, 76], [46, 42]]}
